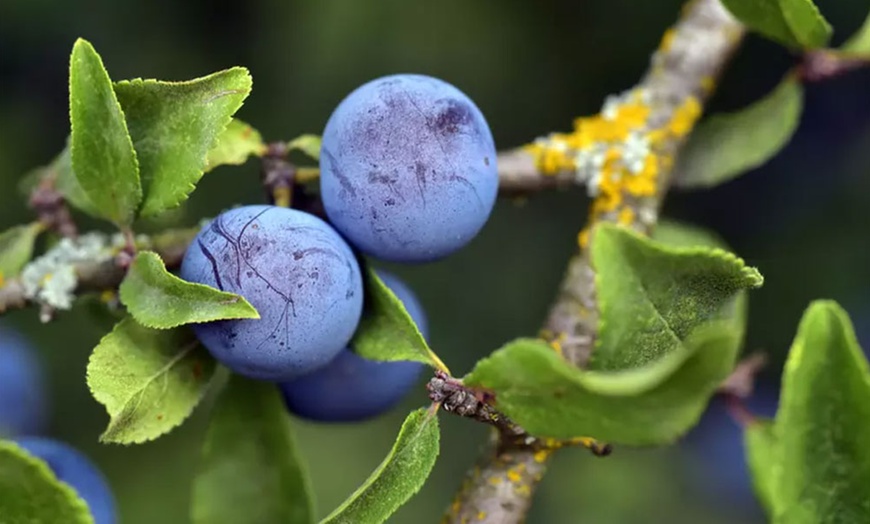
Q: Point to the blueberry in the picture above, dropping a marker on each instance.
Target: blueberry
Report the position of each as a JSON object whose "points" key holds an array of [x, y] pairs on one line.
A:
{"points": [[74, 468], [352, 388], [296, 271], [22, 387], [408, 168]]}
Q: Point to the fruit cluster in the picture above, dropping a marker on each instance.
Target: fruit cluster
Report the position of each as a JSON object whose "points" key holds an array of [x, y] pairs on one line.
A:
{"points": [[407, 174], [23, 414]]}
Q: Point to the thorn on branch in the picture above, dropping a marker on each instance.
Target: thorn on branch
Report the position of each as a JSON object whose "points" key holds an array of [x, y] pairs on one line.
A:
{"points": [[739, 386], [819, 65], [457, 398], [741, 382]]}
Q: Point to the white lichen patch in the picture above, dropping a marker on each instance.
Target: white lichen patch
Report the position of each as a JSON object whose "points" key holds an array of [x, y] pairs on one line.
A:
{"points": [[51, 278]]}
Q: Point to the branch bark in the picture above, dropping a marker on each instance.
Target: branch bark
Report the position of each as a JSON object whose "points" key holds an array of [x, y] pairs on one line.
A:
{"points": [[682, 73]]}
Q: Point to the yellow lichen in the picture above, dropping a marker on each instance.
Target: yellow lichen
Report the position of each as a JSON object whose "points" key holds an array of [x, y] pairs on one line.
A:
{"points": [[481, 515], [542, 455], [617, 154], [667, 41]]}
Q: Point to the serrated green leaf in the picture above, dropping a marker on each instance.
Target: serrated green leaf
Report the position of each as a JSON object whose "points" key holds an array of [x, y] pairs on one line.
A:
{"points": [[651, 405], [386, 331], [759, 441], [308, 144], [652, 296], [174, 125], [398, 477], [103, 159], [235, 145], [16, 248], [727, 145], [794, 23], [823, 424], [149, 380], [859, 43], [251, 472], [31, 493], [684, 235], [158, 299]]}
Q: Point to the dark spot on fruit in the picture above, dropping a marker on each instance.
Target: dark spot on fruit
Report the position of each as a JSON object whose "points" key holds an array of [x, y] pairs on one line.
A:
{"points": [[486, 160], [389, 202], [452, 117]]}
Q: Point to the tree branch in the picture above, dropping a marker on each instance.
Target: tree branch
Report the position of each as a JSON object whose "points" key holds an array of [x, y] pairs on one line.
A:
{"points": [[624, 155], [89, 263]]}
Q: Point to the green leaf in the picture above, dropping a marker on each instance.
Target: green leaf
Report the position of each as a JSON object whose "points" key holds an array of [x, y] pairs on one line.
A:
{"points": [[158, 299], [251, 472], [386, 330], [235, 145], [859, 43], [16, 248], [683, 235], [308, 144], [823, 424], [67, 183], [652, 296], [31, 493], [103, 159], [651, 405], [148, 380], [760, 444], [794, 23], [398, 477], [728, 145], [174, 125]]}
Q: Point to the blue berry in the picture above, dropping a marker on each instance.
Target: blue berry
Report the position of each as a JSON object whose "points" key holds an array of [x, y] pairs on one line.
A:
{"points": [[74, 468], [408, 168], [22, 388], [296, 271], [352, 388]]}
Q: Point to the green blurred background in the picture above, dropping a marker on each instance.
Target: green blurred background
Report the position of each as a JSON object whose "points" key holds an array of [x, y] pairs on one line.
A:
{"points": [[531, 67]]}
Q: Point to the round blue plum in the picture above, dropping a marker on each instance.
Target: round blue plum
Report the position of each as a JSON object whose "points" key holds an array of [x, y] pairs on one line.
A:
{"points": [[75, 469], [408, 168], [23, 399], [298, 273], [352, 388]]}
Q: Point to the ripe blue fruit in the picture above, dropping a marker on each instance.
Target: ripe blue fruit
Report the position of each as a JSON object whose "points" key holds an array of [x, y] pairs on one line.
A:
{"points": [[298, 273], [22, 386], [74, 468], [408, 168], [351, 388]]}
